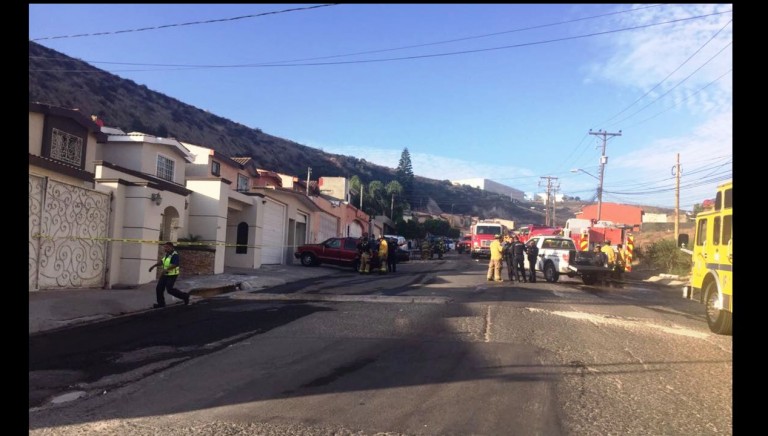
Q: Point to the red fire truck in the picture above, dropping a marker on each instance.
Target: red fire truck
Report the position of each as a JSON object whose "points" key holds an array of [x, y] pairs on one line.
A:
{"points": [[526, 232], [586, 233], [482, 235]]}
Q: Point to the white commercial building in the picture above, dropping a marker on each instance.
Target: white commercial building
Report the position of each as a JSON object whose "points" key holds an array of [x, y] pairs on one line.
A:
{"points": [[491, 186]]}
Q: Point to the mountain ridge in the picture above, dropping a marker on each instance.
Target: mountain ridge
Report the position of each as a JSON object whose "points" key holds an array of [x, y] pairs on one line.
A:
{"points": [[59, 80]]}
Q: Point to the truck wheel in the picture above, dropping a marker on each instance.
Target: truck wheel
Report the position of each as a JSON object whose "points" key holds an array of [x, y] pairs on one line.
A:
{"points": [[589, 279], [307, 259], [720, 320], [550, 274]]}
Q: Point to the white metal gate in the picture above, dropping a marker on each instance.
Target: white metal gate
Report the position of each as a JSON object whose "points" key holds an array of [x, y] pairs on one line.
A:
{"points": [[67, 235], [273, 234]]}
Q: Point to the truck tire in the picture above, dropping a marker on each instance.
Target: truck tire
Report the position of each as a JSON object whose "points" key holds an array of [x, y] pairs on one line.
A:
{"points": [[720, 321], [589, 279], [550, 273], [308, 259]]}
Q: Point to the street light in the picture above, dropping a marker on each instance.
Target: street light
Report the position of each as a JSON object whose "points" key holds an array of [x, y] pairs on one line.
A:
{"points": [[599, 190]]}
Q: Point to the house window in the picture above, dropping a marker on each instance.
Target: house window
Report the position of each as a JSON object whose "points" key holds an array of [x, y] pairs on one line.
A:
{"points": [[242, 182], [165, 168], [215, 168], [66, 148]]}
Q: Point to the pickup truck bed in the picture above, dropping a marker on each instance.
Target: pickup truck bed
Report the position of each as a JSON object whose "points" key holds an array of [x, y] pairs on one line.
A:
{"points": [[584, 265]]}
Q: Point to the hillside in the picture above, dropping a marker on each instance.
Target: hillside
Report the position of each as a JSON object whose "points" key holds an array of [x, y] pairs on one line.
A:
{"points": [[59, 80]]}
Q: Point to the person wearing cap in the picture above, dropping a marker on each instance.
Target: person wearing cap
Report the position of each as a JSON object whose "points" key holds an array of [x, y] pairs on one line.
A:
{"points": [[494, 265], [169, 273]]}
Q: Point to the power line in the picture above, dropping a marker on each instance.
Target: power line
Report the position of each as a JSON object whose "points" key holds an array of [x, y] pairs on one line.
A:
{"points": [[433, 55], [165, 26]]}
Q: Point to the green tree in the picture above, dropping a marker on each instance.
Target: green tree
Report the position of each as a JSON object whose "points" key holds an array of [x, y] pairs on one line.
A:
{"points": [[404, 175], [377, 203], [437, 227], [394, 191]]}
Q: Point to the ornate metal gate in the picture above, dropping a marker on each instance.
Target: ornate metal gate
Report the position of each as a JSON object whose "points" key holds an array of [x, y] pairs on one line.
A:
{"points": [[67, 235]]}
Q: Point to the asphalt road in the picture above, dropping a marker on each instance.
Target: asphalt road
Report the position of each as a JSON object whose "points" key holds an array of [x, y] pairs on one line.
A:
{"points": [[432, 349]]}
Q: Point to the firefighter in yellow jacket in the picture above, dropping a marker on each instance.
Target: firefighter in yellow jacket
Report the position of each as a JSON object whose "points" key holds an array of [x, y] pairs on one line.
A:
{"points": [[383, 253], [494, 265]]}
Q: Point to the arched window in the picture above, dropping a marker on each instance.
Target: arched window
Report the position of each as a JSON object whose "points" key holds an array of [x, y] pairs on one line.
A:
{"points": [[242, 238]]}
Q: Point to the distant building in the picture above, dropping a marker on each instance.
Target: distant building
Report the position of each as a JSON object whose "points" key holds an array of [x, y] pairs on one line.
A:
{"points": [[542, 197], [491, 186], [336, 187], [617, 213]]}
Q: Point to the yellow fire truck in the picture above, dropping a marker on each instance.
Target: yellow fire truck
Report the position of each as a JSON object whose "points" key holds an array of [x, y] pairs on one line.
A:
{"points": [[712, 250]]}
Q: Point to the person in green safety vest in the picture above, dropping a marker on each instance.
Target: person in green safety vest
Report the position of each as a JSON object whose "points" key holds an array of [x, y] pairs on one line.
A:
{"points": [[169, 273]]}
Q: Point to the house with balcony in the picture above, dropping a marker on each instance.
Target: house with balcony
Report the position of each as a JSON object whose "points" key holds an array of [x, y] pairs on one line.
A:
{"points": [[69, 220], [145, 176]]}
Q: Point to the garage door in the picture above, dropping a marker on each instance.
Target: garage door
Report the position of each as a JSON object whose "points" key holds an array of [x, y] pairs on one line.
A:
{"points": [[328, 226], [355, 230], [273, 235]]}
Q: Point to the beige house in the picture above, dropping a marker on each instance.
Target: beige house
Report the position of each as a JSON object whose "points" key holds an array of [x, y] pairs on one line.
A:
{"points": [[145, 177], [224, 209]]}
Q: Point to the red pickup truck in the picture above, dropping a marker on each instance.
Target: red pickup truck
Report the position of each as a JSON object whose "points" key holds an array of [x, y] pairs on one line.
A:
{"points": [[336, 251], [341, 252]]}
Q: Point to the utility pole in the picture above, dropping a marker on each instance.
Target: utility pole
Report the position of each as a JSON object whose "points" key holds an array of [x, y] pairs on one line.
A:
{"points": [[548, 222], [362, 189], [603, 162], [676, 170], [554, 205], [309, 171], [392, 207]]}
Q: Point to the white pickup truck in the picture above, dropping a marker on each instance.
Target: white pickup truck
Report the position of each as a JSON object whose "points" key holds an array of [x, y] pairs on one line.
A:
{"points": [[555, 252]]}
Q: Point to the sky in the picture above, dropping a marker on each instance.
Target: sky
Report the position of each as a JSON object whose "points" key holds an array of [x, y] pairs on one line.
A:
{"points": [[521, 94]]}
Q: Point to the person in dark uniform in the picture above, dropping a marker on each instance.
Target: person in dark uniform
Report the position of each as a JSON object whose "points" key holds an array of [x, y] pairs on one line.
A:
{"points": [[533, 254], [518, 259], [507, 255], [392, 255], [364, 249]]}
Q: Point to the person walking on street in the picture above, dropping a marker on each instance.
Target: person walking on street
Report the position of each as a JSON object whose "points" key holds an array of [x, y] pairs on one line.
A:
{"points": [[169, 273], [364, 250], [494, 265], [533, 254], [518, 259], [383, 254]]}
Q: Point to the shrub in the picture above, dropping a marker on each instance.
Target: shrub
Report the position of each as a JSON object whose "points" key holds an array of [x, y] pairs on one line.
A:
{"points": [[666, 256]]}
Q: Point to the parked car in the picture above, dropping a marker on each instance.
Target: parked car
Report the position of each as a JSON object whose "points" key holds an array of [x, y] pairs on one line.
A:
{"points": [[464, 245], [334, 251]]}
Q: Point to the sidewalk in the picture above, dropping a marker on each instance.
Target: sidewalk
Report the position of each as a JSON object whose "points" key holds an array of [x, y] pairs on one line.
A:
{"points": [[54, 309]]}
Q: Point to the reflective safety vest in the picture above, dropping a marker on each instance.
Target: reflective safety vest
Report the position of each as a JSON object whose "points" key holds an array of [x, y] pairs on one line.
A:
{"points": [[167, 262]]}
